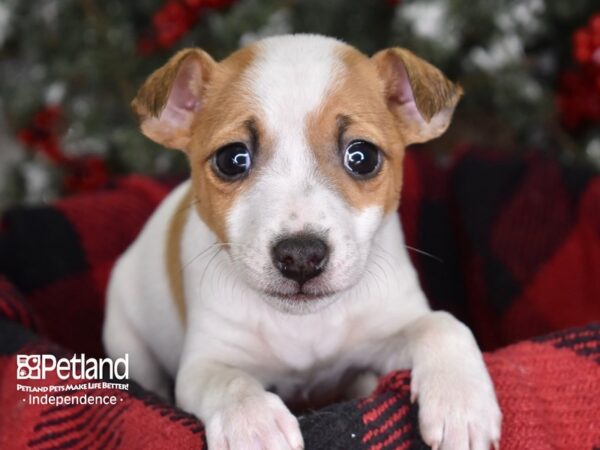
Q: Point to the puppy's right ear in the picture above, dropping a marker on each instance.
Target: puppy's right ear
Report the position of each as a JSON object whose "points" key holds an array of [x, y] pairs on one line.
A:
{"points": [[168, 101]]}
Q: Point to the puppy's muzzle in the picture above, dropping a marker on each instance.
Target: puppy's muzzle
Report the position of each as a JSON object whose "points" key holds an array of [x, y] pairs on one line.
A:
{"points": [[300, 257]]}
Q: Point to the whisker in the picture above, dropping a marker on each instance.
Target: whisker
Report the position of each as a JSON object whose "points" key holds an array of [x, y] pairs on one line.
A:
{"points": [[386, 260], [214, 245], [383, 249], [385, 278], [185, 266], [438, 259], [208, 264]]}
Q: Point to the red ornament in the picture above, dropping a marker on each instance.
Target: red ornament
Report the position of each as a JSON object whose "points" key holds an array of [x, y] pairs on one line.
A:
{"points": [[172, 21], [48, 117], [578, 96], [195, 4], [595, 24], [41, 135], [586, 42]]}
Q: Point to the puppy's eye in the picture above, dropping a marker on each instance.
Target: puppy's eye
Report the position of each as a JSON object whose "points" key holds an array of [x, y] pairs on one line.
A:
{"points": [[362, 159], [232, 161]]}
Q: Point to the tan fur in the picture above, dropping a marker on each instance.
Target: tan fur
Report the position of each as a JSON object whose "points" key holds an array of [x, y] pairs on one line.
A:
{"points": [[152, 97], [361, 102], [433, 93], [358, 103], [222, 119], [360, 98], [173, 263]]}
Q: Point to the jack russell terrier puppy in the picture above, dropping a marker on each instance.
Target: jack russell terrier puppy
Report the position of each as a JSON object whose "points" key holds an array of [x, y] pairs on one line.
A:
{"points": [[280, 266]]}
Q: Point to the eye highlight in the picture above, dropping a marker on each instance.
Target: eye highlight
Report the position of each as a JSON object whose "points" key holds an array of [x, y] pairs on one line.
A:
{"points": [[362, 159], [232, 161]]}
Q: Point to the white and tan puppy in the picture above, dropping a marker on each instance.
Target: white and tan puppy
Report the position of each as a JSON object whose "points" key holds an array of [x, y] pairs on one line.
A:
{"points": [[281, 264]]}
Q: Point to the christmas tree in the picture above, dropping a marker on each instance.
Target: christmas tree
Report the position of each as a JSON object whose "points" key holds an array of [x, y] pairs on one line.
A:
{"points": [[530, 70]]}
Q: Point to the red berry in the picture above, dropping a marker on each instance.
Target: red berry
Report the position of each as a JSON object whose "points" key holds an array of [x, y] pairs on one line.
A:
{"points": [[48, 117], [582, 55], [26, 137], [581, 37], [595, 24], [195, 4]]}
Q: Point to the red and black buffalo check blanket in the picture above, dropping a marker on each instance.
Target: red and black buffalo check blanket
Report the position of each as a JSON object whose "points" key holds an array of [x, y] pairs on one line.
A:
{"points": [[511, 245]]}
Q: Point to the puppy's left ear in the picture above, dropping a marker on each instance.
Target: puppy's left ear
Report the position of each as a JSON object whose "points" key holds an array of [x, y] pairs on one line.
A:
{"points": [[418, 94], [168, 101]]}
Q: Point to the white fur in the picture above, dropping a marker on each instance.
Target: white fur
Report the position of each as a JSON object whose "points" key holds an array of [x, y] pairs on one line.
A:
{"points": [[292, 195], [239, 340]]}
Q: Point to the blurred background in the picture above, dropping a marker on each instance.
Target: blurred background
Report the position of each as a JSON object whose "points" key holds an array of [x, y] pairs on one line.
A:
{"points": [[501, 214], [69, 68]]}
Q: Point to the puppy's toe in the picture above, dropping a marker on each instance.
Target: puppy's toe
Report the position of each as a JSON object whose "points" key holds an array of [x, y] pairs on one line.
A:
{"points": [[254, 423], [458, 411], [478, 438], [432, 429]]}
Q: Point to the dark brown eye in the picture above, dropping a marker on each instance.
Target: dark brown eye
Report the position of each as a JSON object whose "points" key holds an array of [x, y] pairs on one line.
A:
{"points": [[362, 159], [232, 161]]}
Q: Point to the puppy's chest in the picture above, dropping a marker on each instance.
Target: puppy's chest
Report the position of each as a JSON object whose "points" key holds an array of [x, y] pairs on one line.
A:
{"points": [[317, 387], [303, 362]]}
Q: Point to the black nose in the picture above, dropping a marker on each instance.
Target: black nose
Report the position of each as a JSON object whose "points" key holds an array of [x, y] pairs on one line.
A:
{"points": [[301, 257]]}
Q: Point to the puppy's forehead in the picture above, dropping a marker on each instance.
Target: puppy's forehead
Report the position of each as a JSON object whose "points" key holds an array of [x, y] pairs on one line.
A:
{"points": [[291, 75]]}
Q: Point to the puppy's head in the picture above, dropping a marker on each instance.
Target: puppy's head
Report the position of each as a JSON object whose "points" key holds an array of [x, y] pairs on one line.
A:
{"points": [[296, 146]]}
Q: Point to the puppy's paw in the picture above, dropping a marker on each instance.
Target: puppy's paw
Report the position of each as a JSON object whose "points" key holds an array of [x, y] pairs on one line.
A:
{"points": [[458, 409], [258, 422]]}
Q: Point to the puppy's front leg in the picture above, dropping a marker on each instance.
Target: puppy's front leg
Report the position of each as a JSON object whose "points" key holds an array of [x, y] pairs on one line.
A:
{"points": [[458, 409], [237, 412]]}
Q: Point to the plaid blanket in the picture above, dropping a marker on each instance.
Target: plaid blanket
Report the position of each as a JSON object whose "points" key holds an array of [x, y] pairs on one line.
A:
{"points": [[509, 244]]}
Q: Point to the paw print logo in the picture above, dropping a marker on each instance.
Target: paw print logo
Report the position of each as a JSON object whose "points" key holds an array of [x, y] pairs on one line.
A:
{"points": [[28, 367]]}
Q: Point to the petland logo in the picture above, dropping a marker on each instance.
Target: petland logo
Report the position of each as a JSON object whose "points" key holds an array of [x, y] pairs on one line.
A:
{"points": [[37, 367]]}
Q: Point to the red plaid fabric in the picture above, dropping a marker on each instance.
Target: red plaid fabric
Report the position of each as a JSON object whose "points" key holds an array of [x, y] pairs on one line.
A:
{"points": [[516, 241], [516, 253]]}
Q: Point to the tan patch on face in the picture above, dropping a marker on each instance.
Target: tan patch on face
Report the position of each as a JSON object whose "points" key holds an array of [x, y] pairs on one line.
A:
{"points": [[356, 105], [229, 115], [212, 108], [173, 261]]}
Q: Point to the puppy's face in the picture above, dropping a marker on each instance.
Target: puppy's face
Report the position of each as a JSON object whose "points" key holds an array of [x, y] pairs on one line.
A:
{"points": [[296, 146]]}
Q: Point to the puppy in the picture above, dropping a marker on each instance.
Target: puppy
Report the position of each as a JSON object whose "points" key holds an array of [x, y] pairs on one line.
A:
{"points": [[280, 266]]}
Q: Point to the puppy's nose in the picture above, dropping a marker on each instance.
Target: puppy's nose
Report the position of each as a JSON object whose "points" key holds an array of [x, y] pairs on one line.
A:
{"points": [[301, 257]]}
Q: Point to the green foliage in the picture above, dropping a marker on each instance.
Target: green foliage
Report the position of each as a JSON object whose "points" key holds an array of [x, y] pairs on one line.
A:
{"points": [[83, 55]]}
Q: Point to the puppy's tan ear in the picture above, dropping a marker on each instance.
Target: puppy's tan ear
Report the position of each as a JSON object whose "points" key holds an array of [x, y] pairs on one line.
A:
{"points": [[169, 99], [418, 94]]}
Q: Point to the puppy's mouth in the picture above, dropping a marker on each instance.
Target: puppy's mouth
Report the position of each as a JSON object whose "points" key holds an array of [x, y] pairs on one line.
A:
{"points": [[299, 296]]}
